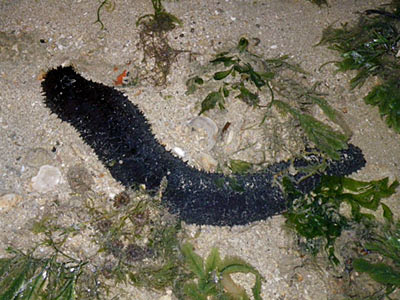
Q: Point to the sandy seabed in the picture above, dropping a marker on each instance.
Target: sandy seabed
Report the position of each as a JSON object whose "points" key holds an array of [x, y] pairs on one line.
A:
{"points": [[38, 35]]}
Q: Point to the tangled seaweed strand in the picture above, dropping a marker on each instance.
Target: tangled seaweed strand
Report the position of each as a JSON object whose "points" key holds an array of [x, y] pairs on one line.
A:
{"points": [[371, 47], [153, 37]]}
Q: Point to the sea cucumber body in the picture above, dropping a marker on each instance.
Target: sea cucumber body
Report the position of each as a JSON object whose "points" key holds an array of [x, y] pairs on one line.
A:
{"points": [[121, 137]]}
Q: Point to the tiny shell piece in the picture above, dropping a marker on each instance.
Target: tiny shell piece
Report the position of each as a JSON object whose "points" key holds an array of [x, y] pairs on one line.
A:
{"points": [[178, 151], [209, 126], [47, 178]]}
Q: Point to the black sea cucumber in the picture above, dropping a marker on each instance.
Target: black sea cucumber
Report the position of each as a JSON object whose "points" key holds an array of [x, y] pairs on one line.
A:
{"points": [[122, 139]]}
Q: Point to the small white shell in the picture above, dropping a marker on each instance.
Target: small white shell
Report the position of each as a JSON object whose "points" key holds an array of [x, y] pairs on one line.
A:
{"points": [[208, 126], [47, 178], [178, 151]]}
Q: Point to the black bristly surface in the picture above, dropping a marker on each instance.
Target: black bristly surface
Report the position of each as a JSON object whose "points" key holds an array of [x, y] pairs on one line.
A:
{"points": [[122, 139], [108, 122]]}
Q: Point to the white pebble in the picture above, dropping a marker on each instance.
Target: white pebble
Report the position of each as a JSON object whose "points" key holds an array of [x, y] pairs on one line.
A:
{"points": [[178, 151], [46, 179]]}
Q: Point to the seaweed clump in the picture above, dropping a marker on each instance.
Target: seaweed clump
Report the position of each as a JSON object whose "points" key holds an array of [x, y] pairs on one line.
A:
{"points": [[134, 241], [48, 270], [213, 276], [317, 217], [153, 38], [142, 242], [371, 48], [382, 259], [339, 216], [275, 87], [24, 276]]}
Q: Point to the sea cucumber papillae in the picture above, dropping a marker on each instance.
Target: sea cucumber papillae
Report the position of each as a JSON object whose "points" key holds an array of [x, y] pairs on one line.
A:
{"points": [[121, 137]]}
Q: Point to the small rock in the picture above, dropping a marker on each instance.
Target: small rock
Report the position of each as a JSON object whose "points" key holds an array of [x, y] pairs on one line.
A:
{"points": [[8, 201], [79, 179], [47, 178]]}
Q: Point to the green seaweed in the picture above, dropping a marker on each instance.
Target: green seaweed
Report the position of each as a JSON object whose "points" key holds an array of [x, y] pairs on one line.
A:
{"points": [[370, 48], [109, 6], [385, 270], [239, 166], [243, 75], [212, 100], [247, 96], [137, 243], [213, 276], [328, 140], [135, 230], [316, 216], [386, 97], [24, 276], [160, 21]]}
